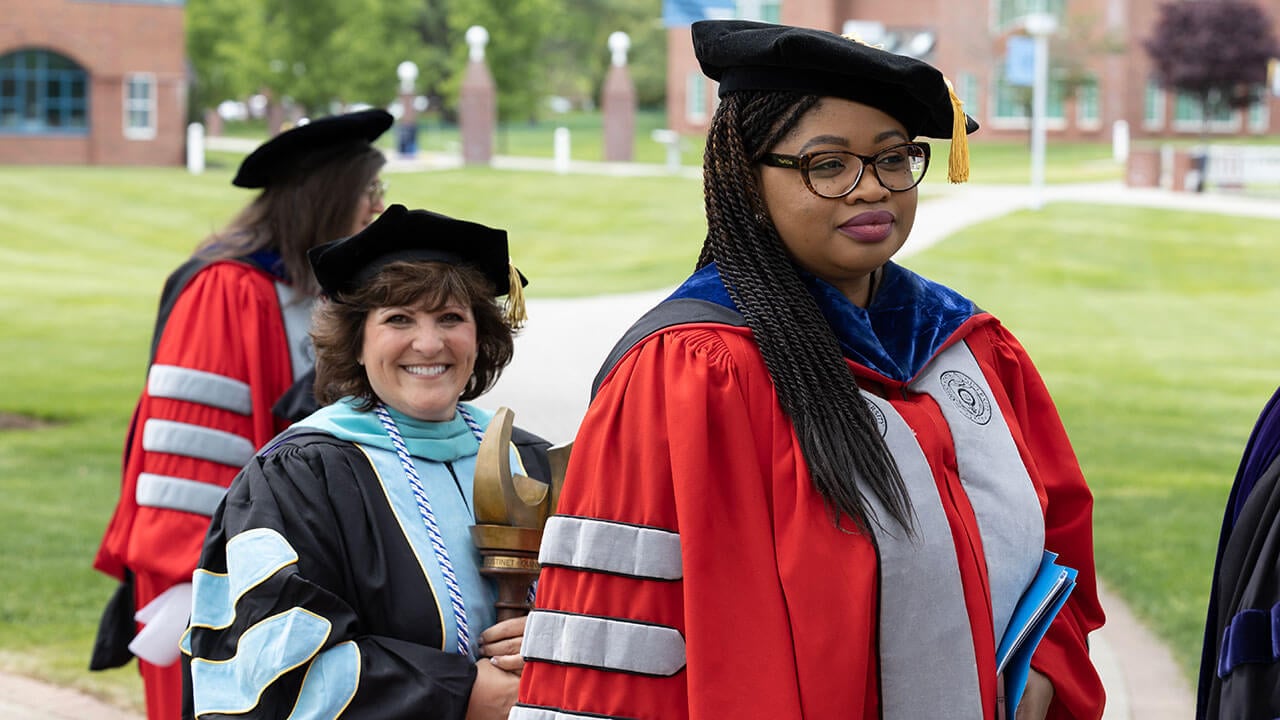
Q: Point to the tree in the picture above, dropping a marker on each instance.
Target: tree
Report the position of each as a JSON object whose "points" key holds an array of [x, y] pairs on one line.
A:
{"points": [[577, 54], [1214, 50], [418, 31], [315, 53], [322, 52], [223, 44]]}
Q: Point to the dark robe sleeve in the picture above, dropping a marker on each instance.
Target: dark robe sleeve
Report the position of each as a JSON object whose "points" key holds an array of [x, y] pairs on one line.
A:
{"points": [[1243, 666], [533, 453], [300, 601], [299, 400]]}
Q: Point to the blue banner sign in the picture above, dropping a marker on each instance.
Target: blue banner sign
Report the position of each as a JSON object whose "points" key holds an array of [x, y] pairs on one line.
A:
{"points": [[1020, 61]]}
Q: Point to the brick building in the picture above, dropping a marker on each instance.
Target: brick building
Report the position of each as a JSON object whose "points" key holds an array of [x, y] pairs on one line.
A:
{"points": [[92, 82], [1101, 73]]}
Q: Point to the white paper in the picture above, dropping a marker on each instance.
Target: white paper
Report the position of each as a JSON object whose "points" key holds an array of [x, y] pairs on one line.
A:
{"points": [[163, 622]]}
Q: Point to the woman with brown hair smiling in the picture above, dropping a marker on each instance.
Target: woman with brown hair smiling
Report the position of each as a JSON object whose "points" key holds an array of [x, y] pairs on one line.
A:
{"points": [[339, 577]]}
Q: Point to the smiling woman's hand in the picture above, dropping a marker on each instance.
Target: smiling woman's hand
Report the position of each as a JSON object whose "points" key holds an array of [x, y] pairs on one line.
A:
{"points": [[501, 644]]}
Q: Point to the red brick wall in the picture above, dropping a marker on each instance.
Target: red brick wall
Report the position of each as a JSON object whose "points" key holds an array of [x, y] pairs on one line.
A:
{"points": [[109, 40]]}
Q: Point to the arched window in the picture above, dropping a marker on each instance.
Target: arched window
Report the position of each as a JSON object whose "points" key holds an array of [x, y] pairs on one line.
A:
{"points": [[43, 93]]}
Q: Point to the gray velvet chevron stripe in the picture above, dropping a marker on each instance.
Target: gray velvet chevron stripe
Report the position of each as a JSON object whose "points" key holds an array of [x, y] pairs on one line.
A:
{"points": [[603, 643], [175, 438], [175, 493], [611, 547], [529, 712], [197, 386]]}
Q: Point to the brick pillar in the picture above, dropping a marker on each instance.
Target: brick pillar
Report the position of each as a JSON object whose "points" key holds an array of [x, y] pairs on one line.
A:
{"points": [[477, 103], [212, 123], [1183, 165], [619, 103], [1143, 168]]}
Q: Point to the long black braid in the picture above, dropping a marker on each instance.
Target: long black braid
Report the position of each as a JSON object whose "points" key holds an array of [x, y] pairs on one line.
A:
{"points": [[837, 433]]}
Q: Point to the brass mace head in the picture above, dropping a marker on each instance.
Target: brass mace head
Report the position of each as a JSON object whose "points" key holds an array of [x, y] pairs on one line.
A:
{"points": [[504, 498]]}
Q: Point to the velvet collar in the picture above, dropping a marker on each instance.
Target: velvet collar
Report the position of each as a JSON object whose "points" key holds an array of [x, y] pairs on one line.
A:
{"points": [[438, 441], [270, 261], [907, 322]]}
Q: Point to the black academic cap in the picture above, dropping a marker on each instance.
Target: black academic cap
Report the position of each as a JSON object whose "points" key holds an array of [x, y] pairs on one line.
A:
{"points": [[403, 234], [747, 55], [278, 156]]}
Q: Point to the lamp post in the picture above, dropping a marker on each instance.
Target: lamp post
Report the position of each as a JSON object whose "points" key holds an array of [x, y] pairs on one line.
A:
{"points": [[1040, 26], [407, 71]]}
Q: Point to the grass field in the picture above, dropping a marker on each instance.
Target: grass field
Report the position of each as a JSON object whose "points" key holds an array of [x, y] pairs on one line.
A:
{"points": [[1143, 323]]}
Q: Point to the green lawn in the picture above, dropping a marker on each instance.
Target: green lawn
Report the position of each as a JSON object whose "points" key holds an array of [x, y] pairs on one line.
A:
{"points": [[1142, 322]]}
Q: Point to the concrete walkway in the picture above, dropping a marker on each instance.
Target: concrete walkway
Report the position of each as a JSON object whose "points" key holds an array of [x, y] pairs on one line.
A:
{"points": [[572, 337]]}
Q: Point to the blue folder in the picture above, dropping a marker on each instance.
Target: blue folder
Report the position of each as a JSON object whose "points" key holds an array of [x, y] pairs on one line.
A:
{"points": [[1037, 607]]}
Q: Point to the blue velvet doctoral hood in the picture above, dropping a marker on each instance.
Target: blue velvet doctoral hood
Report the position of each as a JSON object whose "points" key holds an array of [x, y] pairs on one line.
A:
{"points": [[907, 322]]}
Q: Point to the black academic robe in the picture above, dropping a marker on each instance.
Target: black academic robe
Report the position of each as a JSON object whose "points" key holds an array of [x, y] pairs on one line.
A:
{"points": [[355, 590], [1240, 662], [1241, 680]]}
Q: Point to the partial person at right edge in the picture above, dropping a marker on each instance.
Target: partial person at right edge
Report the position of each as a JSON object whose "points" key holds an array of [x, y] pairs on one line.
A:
{"points": [[1240, 662], [230, 340]]}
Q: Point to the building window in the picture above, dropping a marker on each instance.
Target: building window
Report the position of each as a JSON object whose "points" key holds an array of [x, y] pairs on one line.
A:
{"points": [[968, 92], [1188, 115], [760, 10], [140, 106], [1010, 12], [1153, 106], [42, 93], [1088, 114], [1260, 113], [695, 107]]}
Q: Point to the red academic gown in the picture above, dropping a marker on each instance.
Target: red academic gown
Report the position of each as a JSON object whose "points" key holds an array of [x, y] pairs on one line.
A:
{"points": [[776, 606], [228, 323]]}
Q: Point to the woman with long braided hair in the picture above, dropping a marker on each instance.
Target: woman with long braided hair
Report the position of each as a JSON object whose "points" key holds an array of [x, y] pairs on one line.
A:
{"points": [[812, 483]]}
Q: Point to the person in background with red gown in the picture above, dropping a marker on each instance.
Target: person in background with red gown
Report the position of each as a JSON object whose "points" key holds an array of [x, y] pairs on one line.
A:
{"points": [[230, 342]]}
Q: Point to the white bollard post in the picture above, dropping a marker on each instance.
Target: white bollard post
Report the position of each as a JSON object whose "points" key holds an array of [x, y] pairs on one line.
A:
{"points": [[195, 148], [1166, 166], [561, 140], [1120, 141], [669, 139]]}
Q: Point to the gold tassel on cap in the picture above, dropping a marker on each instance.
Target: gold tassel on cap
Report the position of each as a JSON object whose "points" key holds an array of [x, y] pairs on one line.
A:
{"points": [[513, 309], [958, 162]]}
